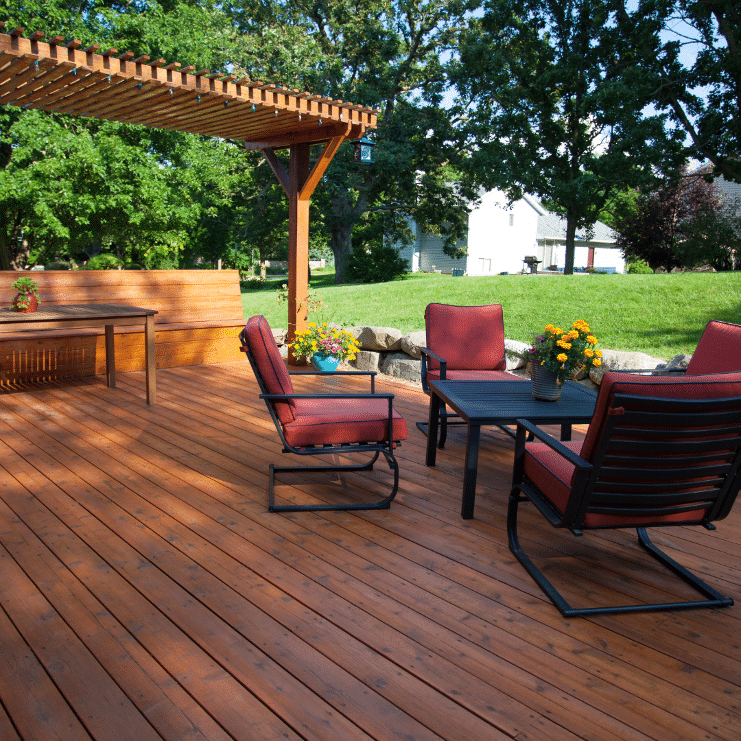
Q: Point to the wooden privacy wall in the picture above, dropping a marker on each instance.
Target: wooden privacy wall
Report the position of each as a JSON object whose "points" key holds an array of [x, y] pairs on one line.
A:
{"points": [[199, 318]]}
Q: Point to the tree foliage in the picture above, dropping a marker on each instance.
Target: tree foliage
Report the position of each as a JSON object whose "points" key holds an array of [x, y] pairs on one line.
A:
{"points": [[692, 50], [684, 223], [391, 55], [550, 110]]}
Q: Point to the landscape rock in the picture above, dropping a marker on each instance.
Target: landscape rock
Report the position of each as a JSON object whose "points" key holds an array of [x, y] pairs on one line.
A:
{"points": [[677, 363], [280, 336], [513, 346], [410, 343], [367, 360], [400, 365], [382, 339], [624, 361]]}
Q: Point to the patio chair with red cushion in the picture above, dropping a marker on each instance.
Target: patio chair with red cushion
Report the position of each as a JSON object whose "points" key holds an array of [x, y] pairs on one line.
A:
{"points": [[718, 351], [660, 451], [464, 343], [322, 424]]}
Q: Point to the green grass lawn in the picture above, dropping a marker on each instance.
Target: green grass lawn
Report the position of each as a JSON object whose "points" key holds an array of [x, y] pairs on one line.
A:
{"points": [[661, 315]]}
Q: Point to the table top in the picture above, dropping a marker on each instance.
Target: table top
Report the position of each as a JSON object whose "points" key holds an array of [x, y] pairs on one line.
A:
{"points": [[503, 402], [72, 312]]}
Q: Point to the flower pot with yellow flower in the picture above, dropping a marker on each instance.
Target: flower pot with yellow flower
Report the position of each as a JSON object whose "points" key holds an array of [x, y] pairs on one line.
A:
{"points": [[558, 355], [325, 345]]}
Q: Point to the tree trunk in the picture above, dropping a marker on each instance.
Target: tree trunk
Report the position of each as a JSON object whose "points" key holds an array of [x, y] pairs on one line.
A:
{"points": [[345, 214], [570, 245], [341, 244]]}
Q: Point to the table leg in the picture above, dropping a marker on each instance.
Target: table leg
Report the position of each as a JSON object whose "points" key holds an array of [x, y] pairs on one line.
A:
{"points": [[469, 477], [110, 357], [566, 432], [150, 359], [432, 426]]}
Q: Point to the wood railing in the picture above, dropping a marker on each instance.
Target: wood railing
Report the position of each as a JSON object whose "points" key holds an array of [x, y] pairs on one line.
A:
{"points": [[198, 320]]}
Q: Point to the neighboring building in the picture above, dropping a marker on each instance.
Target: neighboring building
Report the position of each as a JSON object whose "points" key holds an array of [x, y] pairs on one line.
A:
{"points": [[500, 237]]}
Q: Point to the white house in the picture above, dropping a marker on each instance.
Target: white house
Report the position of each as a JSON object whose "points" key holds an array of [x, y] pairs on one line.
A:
{"points": [[500, 237]]}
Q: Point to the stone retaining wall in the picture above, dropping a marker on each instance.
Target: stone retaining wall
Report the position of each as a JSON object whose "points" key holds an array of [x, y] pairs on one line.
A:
{"points": [[386, 350]]}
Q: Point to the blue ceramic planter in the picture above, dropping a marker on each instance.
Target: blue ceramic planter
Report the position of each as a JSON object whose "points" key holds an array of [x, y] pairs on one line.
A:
{"points": [[325, 363]]}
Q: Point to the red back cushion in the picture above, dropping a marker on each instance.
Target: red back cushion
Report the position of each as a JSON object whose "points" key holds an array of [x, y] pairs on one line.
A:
{"points": [[686, 387], [270, 365], [718, 351], [468, 337]]}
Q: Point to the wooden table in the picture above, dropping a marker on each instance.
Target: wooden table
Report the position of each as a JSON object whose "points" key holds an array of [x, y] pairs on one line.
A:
{"points": [[501, 403], [95, 315]]}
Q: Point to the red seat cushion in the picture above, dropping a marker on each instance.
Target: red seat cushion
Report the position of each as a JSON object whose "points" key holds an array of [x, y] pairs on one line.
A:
{"points": [[474, 375], [335, 421], [687, 387], [467, 337], [270, 365], [718, 351]]}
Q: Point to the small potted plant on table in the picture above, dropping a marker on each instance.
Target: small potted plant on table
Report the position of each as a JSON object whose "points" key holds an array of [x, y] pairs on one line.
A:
{"points": [[558, 355], [26, 298]]}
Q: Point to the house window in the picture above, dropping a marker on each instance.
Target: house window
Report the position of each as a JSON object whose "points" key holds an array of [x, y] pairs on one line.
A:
{"points": [[511, 219]]}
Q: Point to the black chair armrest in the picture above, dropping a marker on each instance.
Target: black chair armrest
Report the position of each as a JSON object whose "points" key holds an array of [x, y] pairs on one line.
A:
{"points": [[372, 375], [425, 351], [651, 371]]}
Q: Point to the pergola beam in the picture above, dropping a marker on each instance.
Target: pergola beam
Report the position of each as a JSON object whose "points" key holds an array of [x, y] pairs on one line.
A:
{"points": [[61, 78]]}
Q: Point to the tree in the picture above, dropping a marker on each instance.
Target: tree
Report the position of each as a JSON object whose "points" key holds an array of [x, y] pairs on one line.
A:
{"points": [[396, 56], [552, 112], [681, 224], [77, 187], [692, 49]]}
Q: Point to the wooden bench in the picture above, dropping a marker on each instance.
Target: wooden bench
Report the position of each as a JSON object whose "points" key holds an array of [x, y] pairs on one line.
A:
{"points": [[198, 320]]}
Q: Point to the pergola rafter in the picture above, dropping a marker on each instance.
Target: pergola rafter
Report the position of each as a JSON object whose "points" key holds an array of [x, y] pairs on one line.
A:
{"points": [[59, 77]]}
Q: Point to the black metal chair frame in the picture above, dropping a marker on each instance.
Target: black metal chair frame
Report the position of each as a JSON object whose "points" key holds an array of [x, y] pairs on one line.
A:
{"points": [[377, 448], [444, 413], [643, 421]]}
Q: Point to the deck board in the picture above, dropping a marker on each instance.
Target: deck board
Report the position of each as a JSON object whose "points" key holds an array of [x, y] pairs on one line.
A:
{"points": [[148, 594]]}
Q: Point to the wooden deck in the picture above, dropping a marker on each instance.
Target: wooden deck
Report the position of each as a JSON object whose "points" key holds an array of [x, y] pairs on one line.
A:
{"points": [[147, 594]]}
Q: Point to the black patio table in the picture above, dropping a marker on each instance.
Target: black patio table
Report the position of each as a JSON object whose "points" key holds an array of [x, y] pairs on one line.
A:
{"points": [[501, 403]]}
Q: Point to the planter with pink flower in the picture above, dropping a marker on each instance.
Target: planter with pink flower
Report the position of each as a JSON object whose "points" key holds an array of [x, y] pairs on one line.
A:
{"points": [[325, 345]]}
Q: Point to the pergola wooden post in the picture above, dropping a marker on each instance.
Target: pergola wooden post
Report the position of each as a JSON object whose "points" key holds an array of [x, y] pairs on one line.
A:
{"points": [[299, 184], [61, 77]]}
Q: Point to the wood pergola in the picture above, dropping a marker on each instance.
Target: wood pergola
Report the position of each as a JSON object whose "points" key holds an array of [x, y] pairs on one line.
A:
{"points": [[60, 76]]}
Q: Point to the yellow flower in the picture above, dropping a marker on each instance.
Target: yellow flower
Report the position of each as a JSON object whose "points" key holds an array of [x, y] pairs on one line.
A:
{"points": [[598, 353], [573, 334], [549, 328], [592, 340], [597, 362], [312, 324], [589, 353], [562, 357], [565, 345]]}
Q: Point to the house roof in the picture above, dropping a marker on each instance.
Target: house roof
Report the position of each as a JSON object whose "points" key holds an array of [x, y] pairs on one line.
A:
{"points": [[60, 77], [552, 227]]}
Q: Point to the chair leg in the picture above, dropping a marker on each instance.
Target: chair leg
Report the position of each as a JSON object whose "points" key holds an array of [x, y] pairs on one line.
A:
{"points": [[714, 599], [384, 503]]}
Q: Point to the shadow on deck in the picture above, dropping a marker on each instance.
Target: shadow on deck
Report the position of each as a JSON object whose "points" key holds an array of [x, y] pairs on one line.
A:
{"points": [[146, 592]]}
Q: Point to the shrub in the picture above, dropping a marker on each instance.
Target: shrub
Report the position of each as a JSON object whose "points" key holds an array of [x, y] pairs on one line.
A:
{"points": [[639, 267], [376, 263], [104, 262]]}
